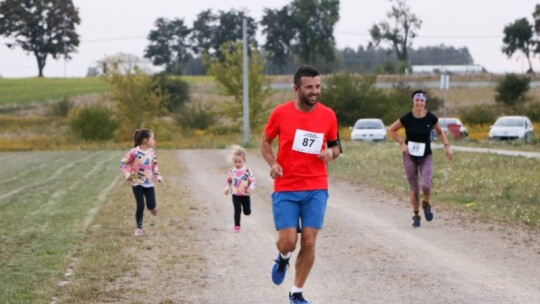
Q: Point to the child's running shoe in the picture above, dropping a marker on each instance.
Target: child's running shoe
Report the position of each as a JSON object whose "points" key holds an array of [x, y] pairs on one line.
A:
{"points": [[416, 221], [297, 298], [236, 229], [279, 269], [427, 212], [154, 211], [138, 232]]}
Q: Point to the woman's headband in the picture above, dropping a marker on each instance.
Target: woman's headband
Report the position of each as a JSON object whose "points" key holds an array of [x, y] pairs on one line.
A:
{"points": [[421, 96]]}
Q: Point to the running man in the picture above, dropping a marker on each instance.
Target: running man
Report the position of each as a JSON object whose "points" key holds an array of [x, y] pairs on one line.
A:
{"points": [[307, 134]]}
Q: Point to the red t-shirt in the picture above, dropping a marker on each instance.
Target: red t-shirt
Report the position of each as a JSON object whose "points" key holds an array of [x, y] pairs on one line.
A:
{"points": [[301, 138]]}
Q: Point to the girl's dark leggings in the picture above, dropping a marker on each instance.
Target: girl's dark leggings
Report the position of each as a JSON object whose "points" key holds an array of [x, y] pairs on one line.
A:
{"points": [[240, 202], [141, 193]]}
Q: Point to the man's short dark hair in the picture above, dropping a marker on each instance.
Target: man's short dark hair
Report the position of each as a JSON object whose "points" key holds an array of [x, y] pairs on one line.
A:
{"points": [[304, 71]]}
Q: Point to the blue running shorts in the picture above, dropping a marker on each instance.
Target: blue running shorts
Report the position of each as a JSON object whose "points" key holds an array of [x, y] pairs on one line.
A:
{"points": [[289, 207]]}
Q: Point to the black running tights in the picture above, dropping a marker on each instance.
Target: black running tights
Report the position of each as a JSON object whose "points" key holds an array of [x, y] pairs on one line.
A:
{"points": [[241, 202], [141, 193]]}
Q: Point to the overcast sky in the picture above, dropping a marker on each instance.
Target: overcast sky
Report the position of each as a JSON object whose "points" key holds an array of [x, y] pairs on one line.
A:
{"points": [[111, 26]]}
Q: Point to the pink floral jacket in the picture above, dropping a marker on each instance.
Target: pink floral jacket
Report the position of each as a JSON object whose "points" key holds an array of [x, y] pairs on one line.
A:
{"points": [[141, 166]]}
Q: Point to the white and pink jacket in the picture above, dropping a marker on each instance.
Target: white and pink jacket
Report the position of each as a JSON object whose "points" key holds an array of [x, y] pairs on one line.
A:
{"points": [[240, 180]]}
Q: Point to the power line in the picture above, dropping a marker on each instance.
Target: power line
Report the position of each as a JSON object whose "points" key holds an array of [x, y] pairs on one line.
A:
{"points": [[10, 44], [432, 36], [14, 43], [113, 39]]}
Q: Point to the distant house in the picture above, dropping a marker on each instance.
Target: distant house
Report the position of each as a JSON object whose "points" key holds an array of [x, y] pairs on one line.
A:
{"points": [[447, 69], [124, 63]]}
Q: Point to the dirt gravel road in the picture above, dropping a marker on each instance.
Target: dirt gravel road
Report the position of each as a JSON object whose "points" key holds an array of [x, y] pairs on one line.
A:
{"points": [[366, 253]]}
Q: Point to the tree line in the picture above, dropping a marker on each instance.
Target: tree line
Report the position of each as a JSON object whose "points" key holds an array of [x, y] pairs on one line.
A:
{"points": [[301, 32]]}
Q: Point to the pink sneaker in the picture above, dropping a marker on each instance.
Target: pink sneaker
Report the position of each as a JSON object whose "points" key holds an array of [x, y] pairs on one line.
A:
{"points": [[154, 211], [236, 229], [138, 232]]}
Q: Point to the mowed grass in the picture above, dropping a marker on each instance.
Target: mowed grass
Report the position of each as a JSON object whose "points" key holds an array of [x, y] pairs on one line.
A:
{"points": [[111, 264], [495, 187], [47, 201], [26, 91], [67, 230]]}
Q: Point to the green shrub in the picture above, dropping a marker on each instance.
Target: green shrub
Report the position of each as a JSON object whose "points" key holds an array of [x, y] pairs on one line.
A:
{"points": [[532, 110], [478, 115], [61, 108], [196, 116], [176, 91], [512, 89], [137, 102], [354, 97], [94, 123]]}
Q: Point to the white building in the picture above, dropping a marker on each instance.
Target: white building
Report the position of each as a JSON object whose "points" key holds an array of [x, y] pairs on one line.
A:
{"points": [[124, 63], [447, 69]]}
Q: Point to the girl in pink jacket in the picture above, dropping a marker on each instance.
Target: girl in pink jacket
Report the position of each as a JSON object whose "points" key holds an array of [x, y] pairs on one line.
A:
{"points": [[139, 167]]}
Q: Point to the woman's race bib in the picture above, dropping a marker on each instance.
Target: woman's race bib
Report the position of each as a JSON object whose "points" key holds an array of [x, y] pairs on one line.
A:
{"points": [[308, 142], [416, 149]]}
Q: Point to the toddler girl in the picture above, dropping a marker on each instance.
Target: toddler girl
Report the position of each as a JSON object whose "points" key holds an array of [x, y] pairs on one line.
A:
{"points": [[241, 183]]}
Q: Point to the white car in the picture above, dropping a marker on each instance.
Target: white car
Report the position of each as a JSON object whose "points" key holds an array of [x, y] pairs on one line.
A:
{"points": [[512, 127], [369, 129], [445, 121]]}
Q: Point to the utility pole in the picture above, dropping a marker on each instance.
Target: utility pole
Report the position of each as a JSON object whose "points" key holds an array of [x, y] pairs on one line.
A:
{"points": [[245, 90], [64, 46], [445, 84]]}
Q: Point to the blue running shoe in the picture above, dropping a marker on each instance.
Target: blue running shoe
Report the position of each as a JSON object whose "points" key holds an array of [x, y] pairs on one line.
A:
{"points": [[297, 298], [416, 221], [427, 212], [279, 269]]}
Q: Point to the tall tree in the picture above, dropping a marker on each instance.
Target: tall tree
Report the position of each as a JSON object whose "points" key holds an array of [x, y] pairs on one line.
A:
{"points": [[315, 21], [278, 26], [169, 45], [211, 31], [203, 31], [536, 16], [400, 33], [229, 73], [304, 28], [518, 36], [41, 27]]}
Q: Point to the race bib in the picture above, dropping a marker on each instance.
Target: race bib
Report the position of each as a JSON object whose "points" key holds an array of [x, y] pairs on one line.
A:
{"points": [[416, 149], [307, 142]]}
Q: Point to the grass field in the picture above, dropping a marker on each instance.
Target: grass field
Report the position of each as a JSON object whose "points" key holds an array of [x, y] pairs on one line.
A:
{"points": [[496, 187], [48, 199], [26, 91]]}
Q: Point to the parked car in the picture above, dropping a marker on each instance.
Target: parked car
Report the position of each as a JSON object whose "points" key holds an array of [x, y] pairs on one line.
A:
{"points": [[512, 127], [445, 121], [369, 129]]}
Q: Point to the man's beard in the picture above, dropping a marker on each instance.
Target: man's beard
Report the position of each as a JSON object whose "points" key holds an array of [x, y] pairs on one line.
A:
{"points": [[305, 100]]}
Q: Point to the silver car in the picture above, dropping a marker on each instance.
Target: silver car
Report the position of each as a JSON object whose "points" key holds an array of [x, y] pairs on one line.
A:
{"points": [[512, 127], [369, 129]]}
